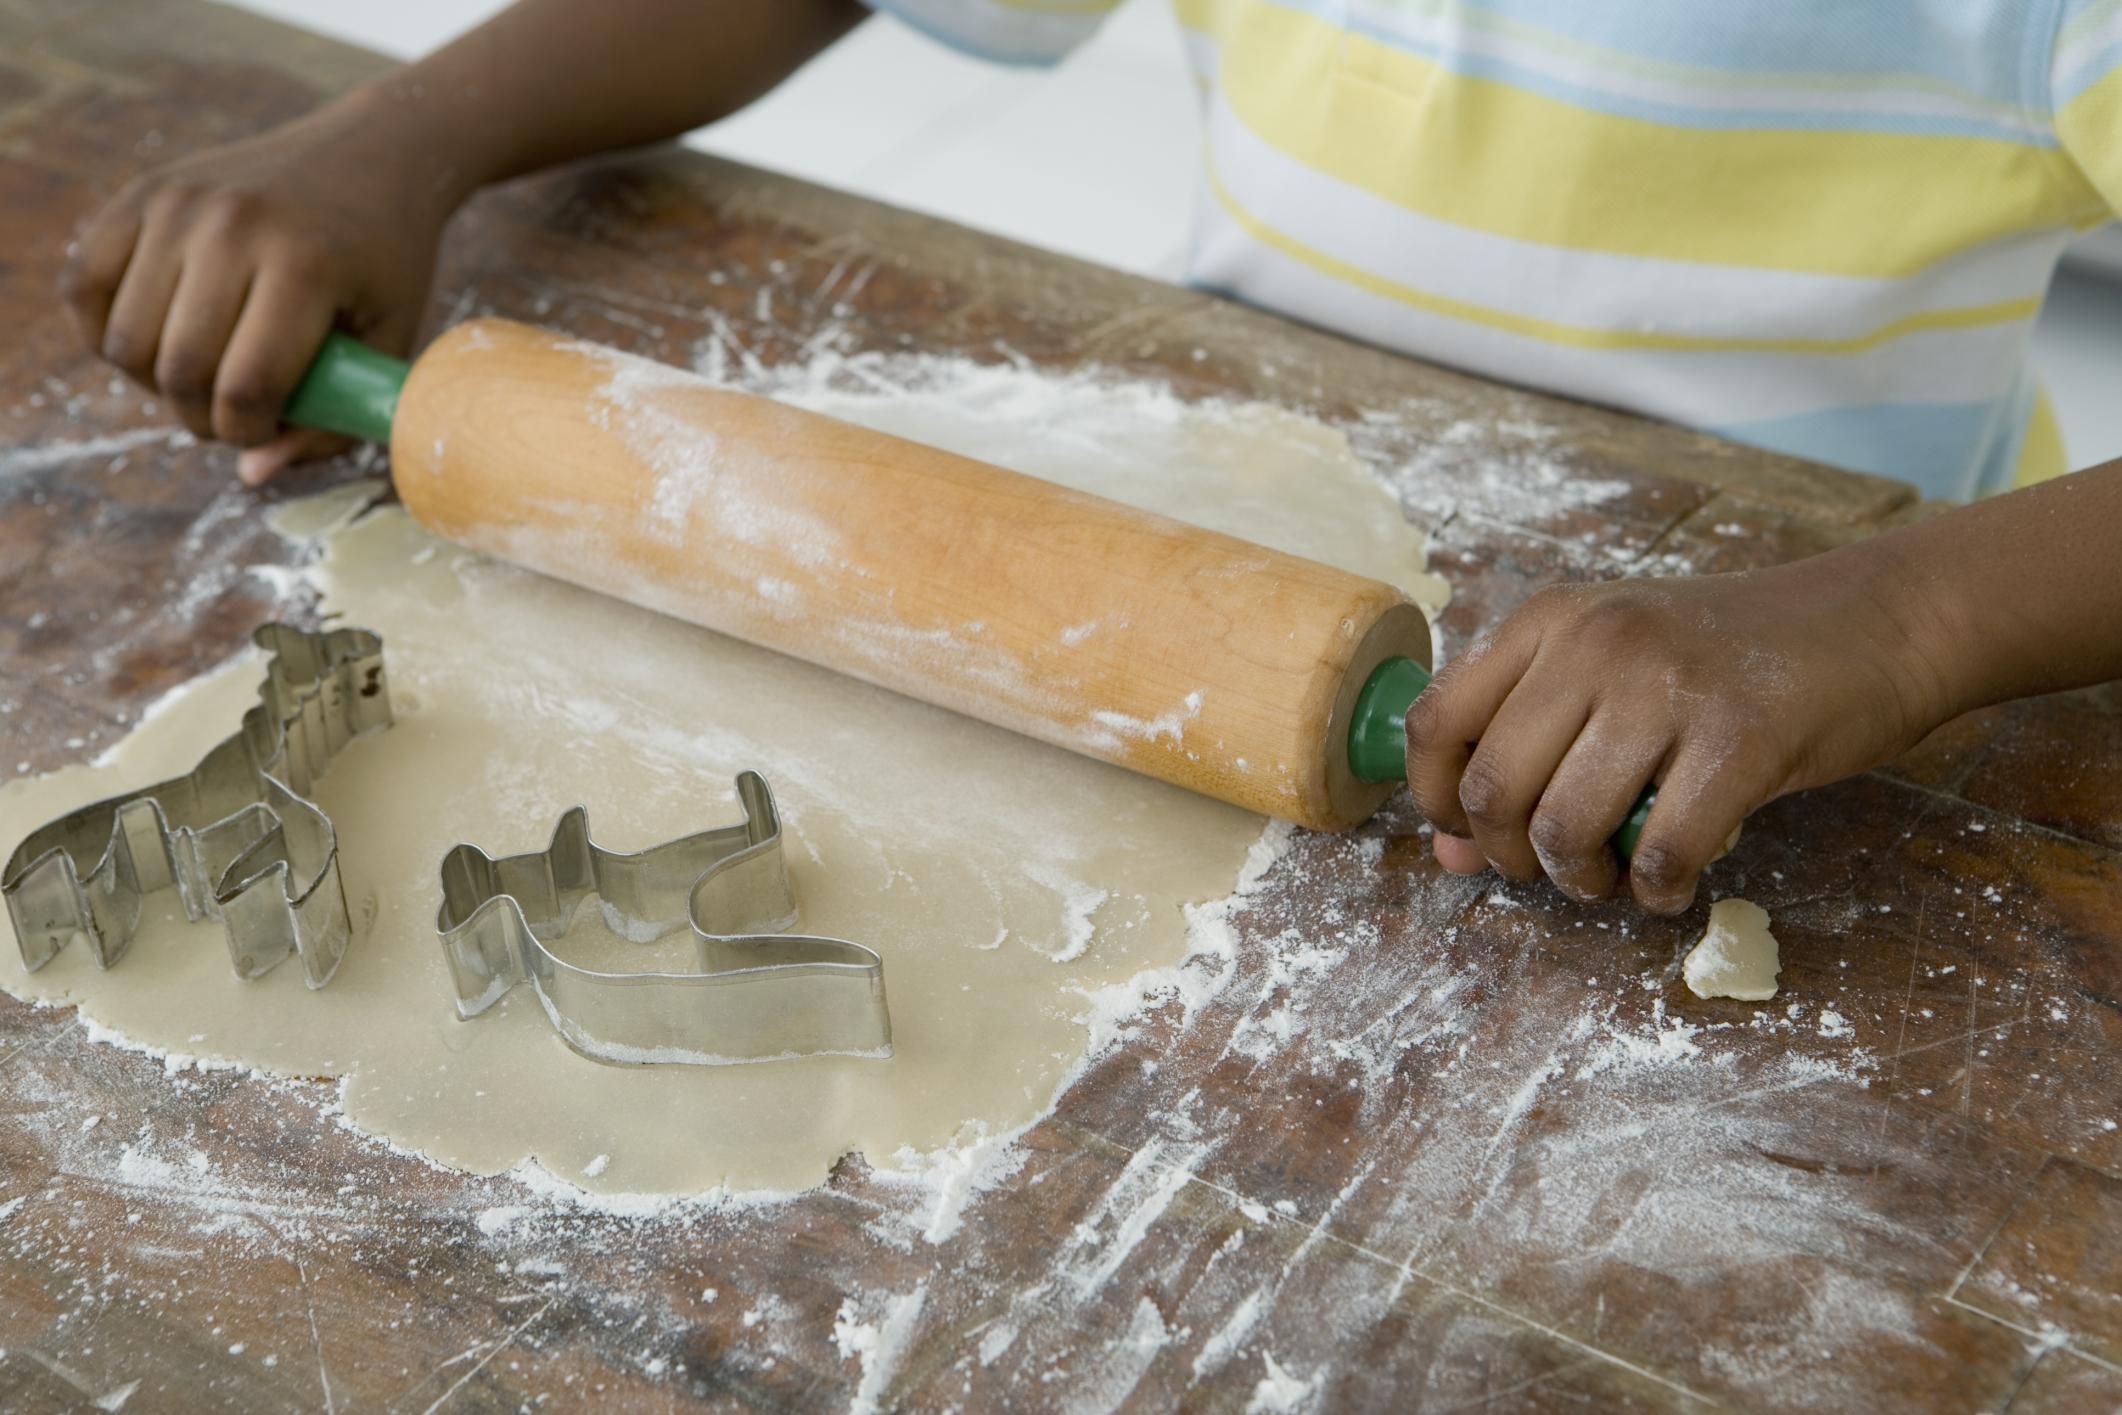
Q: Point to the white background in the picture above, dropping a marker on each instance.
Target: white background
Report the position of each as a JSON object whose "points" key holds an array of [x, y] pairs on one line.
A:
{"points": [[1097, 158]]}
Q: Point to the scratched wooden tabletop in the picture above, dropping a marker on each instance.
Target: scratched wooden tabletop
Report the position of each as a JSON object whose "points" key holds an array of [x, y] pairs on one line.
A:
{"points": [[1430, 1142]]}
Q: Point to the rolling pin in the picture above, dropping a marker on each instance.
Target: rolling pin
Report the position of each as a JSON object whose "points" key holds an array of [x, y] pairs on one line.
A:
{"points": [[1269, 681]]}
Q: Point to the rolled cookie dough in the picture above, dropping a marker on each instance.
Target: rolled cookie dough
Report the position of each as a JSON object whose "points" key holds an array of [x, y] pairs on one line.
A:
{"points": [[1736, 957], [1013, 888]]}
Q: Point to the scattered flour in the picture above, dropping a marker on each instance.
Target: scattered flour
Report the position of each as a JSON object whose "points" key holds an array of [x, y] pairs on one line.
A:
{"points": [[19, 461], [1230, 1338], [1625, 1131], [1080, 903], [1280, 1392], [880, 1345]]}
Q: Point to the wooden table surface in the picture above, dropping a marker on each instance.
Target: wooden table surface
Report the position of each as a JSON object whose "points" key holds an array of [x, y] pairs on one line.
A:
{"points": [[1484, 1151]]}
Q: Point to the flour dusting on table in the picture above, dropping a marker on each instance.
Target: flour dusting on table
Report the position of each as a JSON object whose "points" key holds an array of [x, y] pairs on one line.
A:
{"points": [[1541, 1106]]}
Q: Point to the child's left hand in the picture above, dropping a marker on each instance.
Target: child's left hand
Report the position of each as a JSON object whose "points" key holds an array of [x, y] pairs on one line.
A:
{"points": [[1728, 691]]}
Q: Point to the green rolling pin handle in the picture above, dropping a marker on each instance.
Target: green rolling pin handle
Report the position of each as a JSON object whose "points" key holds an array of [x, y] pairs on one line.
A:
{"points": [[350, 389], [1377, 738]]}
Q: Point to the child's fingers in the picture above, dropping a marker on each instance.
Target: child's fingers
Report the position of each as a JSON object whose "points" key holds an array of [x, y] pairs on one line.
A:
{"points": [[95, 263], [132, 336], [255, 466], [1519, 750], [1448, 719], [393, 331], [202, 315], [1701, 801], [284, 321], [1457, 854], [1592, 792]]}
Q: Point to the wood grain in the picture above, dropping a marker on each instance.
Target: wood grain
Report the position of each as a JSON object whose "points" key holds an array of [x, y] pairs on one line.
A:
{"points": [[1426, 1143]]}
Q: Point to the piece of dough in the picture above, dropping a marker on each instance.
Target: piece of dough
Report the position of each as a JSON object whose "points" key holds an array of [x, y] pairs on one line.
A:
{"points": [[980, 864], [1736, 956]]}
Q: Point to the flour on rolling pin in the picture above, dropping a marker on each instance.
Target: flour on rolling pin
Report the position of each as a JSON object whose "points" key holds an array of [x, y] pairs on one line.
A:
{"points": [[1220, 664]]}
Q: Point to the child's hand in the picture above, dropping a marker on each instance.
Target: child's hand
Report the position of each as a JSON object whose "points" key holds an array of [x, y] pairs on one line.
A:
{"points": [[213, 281], [1726, 691]]}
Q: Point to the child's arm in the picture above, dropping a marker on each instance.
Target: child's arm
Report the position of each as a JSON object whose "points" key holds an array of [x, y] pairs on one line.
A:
{"points": [[214, 280], [1731, 690]]}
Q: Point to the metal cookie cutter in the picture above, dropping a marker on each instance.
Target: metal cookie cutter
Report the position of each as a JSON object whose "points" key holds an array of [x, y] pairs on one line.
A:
{"points": [[759, 994], [238, 837]]}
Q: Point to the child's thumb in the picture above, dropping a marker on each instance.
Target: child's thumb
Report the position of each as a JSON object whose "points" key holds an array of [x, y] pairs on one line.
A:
{"points": [[1458, 855], [255, 466]]}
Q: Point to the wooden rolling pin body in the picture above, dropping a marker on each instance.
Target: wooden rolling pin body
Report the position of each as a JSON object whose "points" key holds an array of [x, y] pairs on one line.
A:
{"points": [[1190, 656]]}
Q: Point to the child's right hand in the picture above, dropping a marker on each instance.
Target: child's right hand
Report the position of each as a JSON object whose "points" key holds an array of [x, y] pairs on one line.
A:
{"points": [[214, 280]]}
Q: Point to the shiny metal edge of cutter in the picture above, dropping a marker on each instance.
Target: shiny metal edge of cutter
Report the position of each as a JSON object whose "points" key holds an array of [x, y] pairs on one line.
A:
{"points": [[758, 994], [238, 836]]}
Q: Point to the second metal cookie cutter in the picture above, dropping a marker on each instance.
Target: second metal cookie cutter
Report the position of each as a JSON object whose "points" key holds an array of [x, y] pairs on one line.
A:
{"points": [[238, 837], [759, 994]]}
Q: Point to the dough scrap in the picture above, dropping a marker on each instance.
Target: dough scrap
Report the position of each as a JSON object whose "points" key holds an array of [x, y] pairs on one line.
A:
{"points": [[1005, 882], [1736, 956]]}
